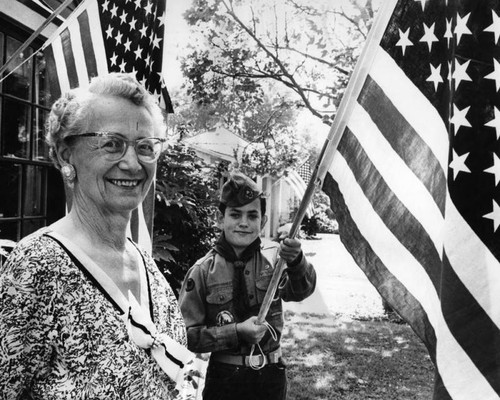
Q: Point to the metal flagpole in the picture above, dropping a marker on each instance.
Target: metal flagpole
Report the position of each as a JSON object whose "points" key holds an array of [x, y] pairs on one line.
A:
{"points": [[338, 126], [35, 34]]}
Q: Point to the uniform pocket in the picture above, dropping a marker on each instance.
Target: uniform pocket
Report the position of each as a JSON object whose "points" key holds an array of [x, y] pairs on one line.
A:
{"points": [[219, 300]]}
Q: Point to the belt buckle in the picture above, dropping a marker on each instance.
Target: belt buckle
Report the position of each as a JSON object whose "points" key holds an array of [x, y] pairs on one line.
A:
{"points": [[258, 360]]}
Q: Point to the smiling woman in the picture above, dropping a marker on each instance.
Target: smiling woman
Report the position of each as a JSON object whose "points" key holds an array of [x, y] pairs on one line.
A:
{"points": [[81, 285]]}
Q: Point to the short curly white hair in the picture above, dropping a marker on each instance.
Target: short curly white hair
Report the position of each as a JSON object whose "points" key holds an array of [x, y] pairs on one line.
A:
{"points": [[72, 112]]}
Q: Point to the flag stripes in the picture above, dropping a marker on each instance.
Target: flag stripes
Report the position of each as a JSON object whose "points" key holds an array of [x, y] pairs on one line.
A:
{"points": [[405, 141], [396, 174], [86, 39], [69, 59], [464, 380], [76, 50]]}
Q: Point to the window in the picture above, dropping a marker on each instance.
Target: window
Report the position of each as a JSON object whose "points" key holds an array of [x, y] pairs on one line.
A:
{"points": [[32, 192]]}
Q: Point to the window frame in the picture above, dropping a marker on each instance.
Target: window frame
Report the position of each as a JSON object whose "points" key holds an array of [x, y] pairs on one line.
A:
{"points": [[51, 182]]}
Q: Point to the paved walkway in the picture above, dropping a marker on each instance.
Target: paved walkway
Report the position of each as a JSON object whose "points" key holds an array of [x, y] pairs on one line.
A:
{"points": [[342, 288]]}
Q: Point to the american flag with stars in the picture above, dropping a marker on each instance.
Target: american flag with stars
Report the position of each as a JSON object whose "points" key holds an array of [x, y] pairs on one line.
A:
{"points": [[414, 182], [103, 36]]}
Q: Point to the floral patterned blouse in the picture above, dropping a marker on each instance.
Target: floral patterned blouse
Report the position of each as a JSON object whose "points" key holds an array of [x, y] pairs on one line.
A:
{"points": [[62, 338]]}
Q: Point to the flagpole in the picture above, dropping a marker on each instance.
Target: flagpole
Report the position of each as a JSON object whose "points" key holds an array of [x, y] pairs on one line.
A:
{"points": [[35, 34], [329, 147]]}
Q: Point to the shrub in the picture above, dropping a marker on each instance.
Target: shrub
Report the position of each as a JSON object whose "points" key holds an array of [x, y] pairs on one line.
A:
{"points": [[186, 195]]}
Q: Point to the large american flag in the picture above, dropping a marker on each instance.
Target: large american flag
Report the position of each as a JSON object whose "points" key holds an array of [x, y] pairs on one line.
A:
{"points": [[103, 36], [415, 182]]}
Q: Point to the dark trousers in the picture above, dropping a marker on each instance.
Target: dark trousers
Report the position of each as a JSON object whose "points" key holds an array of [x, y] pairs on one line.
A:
{"points": [[230, 382]]}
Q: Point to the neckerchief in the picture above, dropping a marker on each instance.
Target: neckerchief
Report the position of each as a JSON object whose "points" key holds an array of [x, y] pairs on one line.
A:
{"points": [[240, 293]]}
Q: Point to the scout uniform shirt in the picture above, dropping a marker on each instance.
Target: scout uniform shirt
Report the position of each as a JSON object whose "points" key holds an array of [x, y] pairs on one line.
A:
{"points": [[209, 306]]}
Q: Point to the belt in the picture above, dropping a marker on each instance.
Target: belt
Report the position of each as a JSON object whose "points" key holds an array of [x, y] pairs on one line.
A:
{"points": [[258, 359]]}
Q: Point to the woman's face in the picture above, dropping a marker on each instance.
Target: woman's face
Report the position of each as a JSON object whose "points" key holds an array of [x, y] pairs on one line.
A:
{"points": [[112, 185]]}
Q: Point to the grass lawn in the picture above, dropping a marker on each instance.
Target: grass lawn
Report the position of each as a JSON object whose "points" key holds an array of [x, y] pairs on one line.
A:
{"points": [[333, 358]]}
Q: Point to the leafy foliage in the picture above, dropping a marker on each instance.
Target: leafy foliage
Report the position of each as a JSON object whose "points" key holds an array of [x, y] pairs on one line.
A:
{"points": [[186, 195], [309, 49]]}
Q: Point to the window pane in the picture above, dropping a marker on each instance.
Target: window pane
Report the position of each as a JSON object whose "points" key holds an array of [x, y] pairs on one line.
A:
{"points": [[10, 230], [9, 182], [15, 129], [31, 225], [42, 89], [19, 82], [41, 149], [34, 191]]}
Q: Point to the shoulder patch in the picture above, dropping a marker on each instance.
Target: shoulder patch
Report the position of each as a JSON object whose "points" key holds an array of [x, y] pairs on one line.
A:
{"points": [[190, 285]]}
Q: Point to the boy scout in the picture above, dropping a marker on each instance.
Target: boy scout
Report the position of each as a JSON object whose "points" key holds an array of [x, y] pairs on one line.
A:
{"points": [[222, 293]]}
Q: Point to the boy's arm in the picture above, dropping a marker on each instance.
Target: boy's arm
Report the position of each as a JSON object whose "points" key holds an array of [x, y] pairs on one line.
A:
{"points": [[301, 274], [202, 338]]}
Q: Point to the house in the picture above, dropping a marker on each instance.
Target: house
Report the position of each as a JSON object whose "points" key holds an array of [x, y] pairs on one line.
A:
{"points": [[32, 190], [221, 145]]}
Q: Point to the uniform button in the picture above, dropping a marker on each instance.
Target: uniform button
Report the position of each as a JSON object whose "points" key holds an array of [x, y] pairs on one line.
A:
{"points": [[221, 297], [247, 272]]}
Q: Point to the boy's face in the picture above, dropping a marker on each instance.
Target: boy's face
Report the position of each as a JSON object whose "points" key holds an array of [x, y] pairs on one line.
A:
{"points": [[242, 225]]}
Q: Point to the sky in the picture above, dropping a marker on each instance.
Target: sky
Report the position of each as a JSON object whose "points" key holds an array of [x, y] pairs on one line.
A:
{"points": [[176, 35]]}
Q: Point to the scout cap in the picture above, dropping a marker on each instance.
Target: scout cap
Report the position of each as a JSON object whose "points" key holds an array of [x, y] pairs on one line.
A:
{"points": [[239, 190]]}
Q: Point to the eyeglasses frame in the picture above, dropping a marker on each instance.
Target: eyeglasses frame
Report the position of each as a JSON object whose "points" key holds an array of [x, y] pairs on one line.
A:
{"points": [[129, 143]]}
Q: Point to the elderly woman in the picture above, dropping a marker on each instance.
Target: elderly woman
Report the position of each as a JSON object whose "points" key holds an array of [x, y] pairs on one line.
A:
{"points": [[85, 313]]}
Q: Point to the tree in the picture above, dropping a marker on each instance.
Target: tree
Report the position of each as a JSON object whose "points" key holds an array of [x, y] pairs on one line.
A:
{"points": [[240, 49]]}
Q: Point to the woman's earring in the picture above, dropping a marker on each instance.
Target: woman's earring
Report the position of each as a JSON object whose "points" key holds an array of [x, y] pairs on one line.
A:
{"points": [[69, 174]]}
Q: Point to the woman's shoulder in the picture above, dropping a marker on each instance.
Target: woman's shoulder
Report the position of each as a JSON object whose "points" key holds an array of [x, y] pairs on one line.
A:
{"points": [[36, 251]]}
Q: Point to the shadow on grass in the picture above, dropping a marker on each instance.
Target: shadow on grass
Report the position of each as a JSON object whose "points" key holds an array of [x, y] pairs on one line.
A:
{"points": [[353, 360]]}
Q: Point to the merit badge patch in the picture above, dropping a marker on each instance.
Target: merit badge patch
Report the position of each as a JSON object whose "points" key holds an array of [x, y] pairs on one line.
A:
{"points": [[189, 285], [224, 318]]}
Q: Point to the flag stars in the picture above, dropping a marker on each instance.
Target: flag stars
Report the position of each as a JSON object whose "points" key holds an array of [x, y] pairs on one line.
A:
{"points": [[494, 215], [143, 30], [162, 18], [113, 59], [127, 44], [461, 28], [495, 26], [429, 36], [495, 123], [460, 73], [105, 5], [148, 7], [114, 11], [495, 75], [458, 164], [156, 42], [404, 41], [109, 32], [118, 38], [458, 120], [132, 23], [138, 52], [123, 64], [137, 4], [435, 76], [495, 169], [123, 17]]}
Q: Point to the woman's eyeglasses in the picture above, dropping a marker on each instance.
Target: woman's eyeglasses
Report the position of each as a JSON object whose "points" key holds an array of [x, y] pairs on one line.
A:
{"points": [[115, 146]]}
